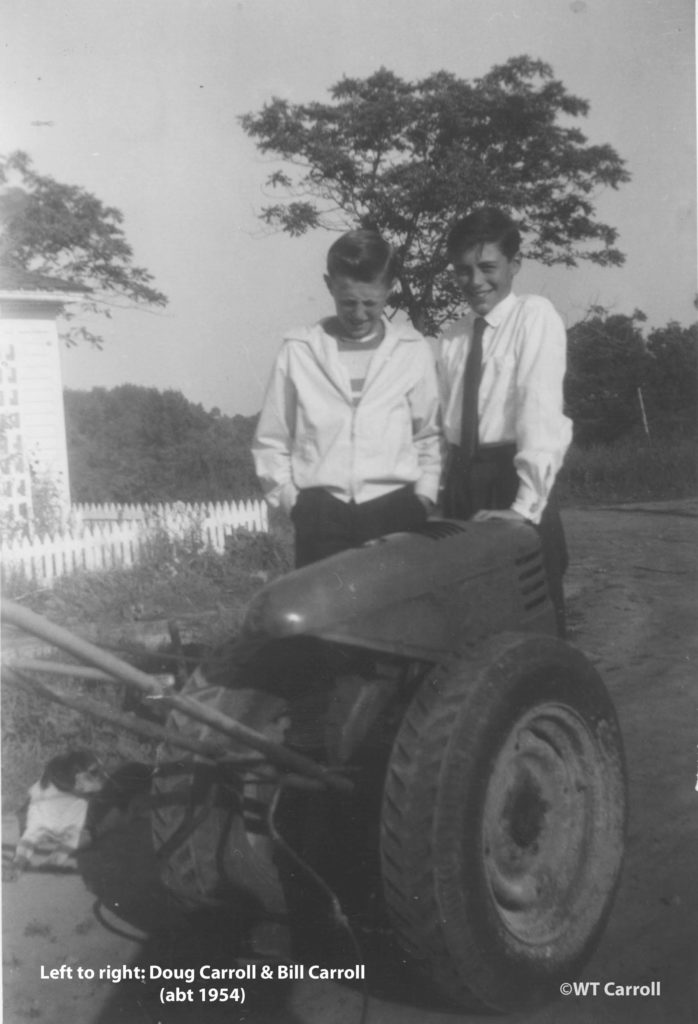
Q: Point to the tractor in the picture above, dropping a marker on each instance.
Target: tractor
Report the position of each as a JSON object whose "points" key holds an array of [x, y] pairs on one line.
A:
{"points": [[475, 754]]}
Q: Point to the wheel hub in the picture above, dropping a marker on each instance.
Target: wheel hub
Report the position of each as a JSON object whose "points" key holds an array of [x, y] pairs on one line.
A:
{"points": [[537, 821]]}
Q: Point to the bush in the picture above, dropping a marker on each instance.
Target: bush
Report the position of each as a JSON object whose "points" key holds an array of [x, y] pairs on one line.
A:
{"points": [[260, 553]]}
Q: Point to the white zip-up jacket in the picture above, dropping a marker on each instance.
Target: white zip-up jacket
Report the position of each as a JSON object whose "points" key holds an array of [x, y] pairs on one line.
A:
{"points": [[311, 435]]}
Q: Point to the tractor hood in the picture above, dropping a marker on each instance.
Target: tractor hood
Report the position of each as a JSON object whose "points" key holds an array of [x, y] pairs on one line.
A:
{"points": [[425, 594]]}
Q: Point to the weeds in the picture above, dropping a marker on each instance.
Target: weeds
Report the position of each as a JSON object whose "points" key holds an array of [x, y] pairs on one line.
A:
{"points": [[632, 469], [176, 580], [175, 577]]}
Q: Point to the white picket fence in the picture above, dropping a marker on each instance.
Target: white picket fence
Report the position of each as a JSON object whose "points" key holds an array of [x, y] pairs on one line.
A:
{"points": [[100, 537]]}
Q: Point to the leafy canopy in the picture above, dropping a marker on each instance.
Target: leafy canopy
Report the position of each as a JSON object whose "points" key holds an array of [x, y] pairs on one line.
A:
{"points": [[64, 231], [408, 158]]}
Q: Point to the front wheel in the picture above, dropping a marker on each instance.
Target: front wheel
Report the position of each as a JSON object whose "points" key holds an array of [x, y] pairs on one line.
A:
{"points": [[503, 822]]}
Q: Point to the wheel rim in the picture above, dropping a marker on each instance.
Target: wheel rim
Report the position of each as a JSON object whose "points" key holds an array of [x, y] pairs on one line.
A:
{"points": [[543, 815]]}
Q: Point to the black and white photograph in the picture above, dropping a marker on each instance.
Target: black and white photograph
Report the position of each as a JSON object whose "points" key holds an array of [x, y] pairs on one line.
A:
{"points": [[349, 511]]}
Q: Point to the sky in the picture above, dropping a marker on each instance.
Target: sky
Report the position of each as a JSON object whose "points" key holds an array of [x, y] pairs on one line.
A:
{"points": [[138, 101]]}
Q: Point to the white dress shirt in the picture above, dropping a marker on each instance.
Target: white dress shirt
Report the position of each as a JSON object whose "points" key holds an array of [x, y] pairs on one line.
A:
{"points": [[520, 400]]}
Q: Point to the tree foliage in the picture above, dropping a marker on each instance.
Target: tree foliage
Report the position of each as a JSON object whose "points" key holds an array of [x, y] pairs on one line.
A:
{"points": [[64, 231], [136, 444], [606, 360], [407, 158], [671, 378], [613, 372]]}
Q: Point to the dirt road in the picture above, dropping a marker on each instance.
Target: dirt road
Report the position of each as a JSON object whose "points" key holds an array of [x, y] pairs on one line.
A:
{"points": [[632, 599]]}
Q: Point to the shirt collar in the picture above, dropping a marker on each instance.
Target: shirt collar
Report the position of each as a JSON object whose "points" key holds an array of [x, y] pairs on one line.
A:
{"points": [[500, 311]]}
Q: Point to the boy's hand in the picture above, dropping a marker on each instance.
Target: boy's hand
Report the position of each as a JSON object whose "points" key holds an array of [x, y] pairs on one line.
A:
{"points": [[499, 513]]}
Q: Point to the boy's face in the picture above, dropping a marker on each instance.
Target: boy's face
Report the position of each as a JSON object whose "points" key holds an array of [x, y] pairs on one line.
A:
{"points": [[485, 275], [358, 304]]}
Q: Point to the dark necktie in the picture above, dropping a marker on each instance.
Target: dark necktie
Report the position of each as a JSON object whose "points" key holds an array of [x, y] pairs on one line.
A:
{"points": [[471, 385]]}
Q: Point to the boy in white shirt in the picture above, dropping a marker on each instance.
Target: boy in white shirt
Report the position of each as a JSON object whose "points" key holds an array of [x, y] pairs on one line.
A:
{"points": [[348, 439], [501, 371]]}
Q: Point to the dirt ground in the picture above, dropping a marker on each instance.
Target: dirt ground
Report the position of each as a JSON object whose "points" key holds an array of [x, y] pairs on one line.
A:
{"points": [[632, 601]]}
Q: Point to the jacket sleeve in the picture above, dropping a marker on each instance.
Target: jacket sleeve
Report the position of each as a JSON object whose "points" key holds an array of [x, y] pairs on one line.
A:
{"points": [[426, 426], [273, 439]]}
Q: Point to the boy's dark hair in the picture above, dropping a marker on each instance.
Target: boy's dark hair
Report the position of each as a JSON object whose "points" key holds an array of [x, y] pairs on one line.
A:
{"points": [[363, 255], [486, 224]]}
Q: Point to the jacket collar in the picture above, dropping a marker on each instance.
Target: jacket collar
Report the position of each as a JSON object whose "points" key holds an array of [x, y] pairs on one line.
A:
{"points": [[324, 348]]}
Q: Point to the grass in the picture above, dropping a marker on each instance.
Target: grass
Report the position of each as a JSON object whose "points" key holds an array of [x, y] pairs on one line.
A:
{"points": [[634, 468], [209, 592], [172, 579]]}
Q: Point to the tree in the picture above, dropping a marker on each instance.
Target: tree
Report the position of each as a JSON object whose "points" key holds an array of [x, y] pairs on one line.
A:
{"points": [[407, 158], [132, 443], [671, 390], [606, 366], [610, 364], [65, 231]]}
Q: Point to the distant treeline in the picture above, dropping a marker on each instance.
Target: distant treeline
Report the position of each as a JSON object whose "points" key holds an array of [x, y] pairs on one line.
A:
{"points": [[138, 444], [620, 382], [133, 443]]}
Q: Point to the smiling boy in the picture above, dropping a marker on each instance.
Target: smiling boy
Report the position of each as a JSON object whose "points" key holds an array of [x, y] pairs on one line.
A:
{"points": [[501, 371], [348, 439]]}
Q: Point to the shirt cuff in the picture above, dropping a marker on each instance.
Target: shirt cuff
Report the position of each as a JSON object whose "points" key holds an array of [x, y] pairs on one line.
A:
{"points": [[427, 488], [529, 504]]}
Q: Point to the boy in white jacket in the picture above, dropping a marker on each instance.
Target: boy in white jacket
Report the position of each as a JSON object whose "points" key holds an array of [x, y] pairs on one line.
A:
{"points": [[348, 439]]}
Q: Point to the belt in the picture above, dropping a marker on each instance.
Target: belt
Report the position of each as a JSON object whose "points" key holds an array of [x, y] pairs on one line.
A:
{"points": [[488, 453]]}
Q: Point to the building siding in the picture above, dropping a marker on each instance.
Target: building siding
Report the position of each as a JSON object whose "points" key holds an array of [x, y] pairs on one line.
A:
{"points": [[39, 391]]}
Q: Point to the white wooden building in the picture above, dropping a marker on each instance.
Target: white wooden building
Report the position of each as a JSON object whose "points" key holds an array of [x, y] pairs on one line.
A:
{"points": [[33, 449]]}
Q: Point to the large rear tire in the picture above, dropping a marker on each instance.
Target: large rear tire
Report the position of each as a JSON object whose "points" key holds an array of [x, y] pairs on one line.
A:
{"points": [[503, 822]]}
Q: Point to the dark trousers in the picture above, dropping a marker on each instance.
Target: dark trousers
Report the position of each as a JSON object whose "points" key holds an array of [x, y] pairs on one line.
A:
{"points": [[490, 481], [325, 525]]}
